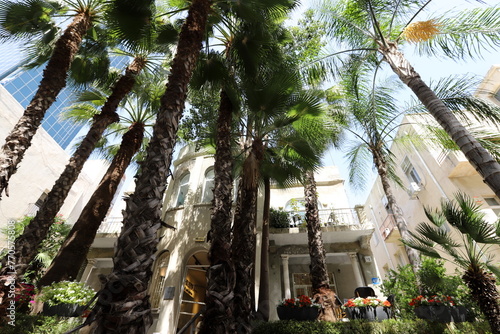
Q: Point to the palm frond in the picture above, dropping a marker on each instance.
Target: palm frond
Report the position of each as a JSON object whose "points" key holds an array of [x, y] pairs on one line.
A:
{"points": [[465, 35]]}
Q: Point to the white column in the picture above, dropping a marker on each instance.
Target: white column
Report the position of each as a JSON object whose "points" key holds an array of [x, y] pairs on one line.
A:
{"points": [[355, 268], [286, 274], [88, 270]]}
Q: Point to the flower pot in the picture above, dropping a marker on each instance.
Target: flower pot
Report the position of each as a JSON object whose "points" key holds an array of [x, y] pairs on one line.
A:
{"points": [[459, 313], [63, 310], [438, 313], [297, 313], [369, 313]]}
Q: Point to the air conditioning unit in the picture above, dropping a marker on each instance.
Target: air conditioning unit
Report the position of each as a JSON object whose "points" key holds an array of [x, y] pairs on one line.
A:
{"points": [[413, 190]]}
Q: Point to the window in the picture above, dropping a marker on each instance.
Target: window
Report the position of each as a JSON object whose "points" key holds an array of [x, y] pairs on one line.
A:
{"points": [[302, 284], [183, 189], [208, 186], [494, 204], [410, 171]]}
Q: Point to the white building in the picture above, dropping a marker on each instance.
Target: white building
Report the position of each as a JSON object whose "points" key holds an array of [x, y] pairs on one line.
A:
{"points": [[430, 175]]}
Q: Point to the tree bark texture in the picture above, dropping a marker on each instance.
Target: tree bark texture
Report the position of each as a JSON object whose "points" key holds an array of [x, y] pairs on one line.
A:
{"points": [[264, 302], [27, 244], [484, 291], [477, 155], [381, 165], [73, 252], [53, 81], [123, 305], [218, 317], [244, 236], [319, 274]]}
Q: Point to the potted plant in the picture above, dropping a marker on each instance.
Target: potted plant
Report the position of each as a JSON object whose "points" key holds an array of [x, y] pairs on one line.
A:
{"points": [[370, 308], [438, 308], [67, 299], [300, 308]]}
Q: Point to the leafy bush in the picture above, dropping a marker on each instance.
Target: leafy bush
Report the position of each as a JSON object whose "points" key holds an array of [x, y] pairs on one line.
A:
{"points": [[363, 327], [48, 248], [431, 279], [67, 292], [279, 219], [40, 324]]}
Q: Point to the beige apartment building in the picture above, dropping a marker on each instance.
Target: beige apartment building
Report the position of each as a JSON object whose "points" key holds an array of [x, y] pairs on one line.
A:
{"points": [[430, 175]]}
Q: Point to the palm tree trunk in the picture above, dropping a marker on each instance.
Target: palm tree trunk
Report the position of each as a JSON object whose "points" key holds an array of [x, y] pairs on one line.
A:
{"points": [[397, 213], [319, 273], [53, 81], [263, 305], [218, 317], [123, 304], [484, 291], [478, 157], [243, 247], [73, 252], [27, 244]]}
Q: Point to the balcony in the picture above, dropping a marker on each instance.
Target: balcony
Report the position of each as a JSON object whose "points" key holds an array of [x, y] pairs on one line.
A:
{"points": [[337, 226], [108, 232], [389, 230]]}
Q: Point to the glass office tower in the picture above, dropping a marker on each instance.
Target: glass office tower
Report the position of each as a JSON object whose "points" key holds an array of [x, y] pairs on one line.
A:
{"points": [[22, 85]]}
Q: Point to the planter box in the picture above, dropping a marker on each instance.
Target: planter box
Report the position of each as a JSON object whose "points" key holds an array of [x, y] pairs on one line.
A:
{"points": [[63, 310], [441, 313], [369, 313], [297, 313]]}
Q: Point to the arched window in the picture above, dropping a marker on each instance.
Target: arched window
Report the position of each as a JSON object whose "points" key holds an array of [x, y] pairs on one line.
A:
{"points": [[208, 186], [183, 189], [158, 282]]}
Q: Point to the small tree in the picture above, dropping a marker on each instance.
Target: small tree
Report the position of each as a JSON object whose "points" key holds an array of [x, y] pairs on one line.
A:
{"points": [[470, 251]]}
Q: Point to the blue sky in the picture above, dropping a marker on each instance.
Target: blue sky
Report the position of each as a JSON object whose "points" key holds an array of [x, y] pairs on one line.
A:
{"points": [[430, 69]]}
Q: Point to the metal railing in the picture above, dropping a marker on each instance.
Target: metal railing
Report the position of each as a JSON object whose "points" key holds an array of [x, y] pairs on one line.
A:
{"points": [[327, 217], [111, 225]]}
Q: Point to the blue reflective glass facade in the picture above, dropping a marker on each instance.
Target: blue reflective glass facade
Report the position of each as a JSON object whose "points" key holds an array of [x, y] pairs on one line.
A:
{"points": [[22, 84]]}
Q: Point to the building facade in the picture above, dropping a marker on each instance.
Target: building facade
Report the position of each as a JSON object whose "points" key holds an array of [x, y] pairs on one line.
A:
{"points": [[179, 283], [41, 166], [431, 174]]}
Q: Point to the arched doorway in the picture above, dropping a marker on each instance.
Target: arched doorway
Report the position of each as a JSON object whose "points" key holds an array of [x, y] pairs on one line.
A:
{"points": [[195, 285]]}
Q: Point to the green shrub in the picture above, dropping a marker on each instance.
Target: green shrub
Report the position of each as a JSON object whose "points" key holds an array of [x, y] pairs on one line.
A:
{"points": [[67, 292], [279, 219], [363, 327], [40, 324]]}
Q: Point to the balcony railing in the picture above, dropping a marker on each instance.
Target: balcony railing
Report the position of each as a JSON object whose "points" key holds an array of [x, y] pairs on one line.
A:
{"points": [[328, 217], [111, 225]]}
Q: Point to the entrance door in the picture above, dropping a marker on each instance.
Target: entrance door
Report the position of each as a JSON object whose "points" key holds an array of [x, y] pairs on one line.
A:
{"points": [[193, 295]]}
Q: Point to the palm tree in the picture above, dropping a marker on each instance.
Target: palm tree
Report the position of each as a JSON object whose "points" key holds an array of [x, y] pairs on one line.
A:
{"points": [[27, 243], [373, 30], [55, 73], [275, 103], [470, 251], [123, 305], [73, 252]]}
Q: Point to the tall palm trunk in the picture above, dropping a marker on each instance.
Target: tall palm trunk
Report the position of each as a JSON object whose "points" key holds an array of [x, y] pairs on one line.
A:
{"points": [[317, 268], [479, 157], [53, 81], [218, 317], [73, 252], [27, 244], [379, 162], [123, 304], [263, 305], [243, 247], [484, 291]]}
